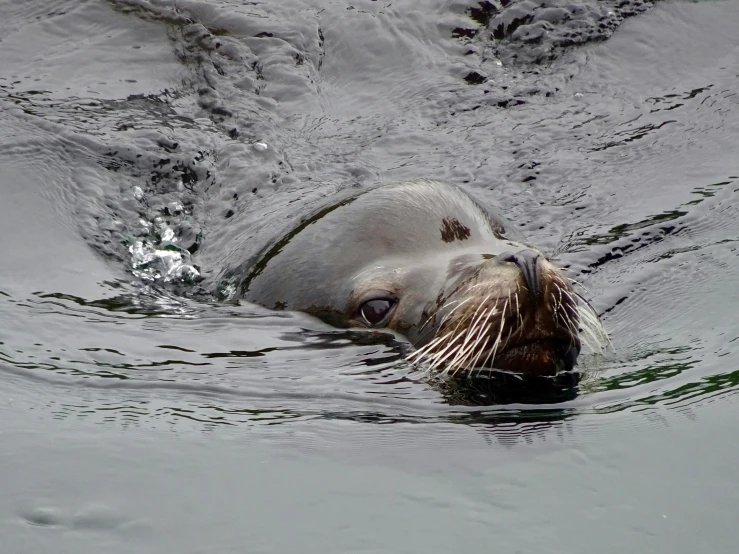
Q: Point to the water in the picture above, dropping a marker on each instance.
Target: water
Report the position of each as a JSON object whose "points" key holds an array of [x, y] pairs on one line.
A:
{"points": [[148, 149]]}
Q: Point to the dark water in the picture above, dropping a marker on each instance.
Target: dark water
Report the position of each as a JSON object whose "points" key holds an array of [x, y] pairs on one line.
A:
{"points": [[148, 148]]}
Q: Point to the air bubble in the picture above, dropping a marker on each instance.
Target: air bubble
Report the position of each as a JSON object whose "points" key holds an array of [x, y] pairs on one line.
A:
{"points": [[168, 235]]}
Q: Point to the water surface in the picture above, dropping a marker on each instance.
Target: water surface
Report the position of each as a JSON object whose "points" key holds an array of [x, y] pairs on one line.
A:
{"points": [[147, 149]]}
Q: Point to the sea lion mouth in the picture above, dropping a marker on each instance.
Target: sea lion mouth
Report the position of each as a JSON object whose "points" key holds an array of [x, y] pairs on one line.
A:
{"points": [[538, 371], [542, 357], [535, 372]]}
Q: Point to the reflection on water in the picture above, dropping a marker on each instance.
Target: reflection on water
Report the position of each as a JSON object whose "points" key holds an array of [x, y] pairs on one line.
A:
{"points": [[144, 354]]}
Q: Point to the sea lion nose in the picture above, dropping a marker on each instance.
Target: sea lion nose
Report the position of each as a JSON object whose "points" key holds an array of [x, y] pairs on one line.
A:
{"points": [[528, 261]]}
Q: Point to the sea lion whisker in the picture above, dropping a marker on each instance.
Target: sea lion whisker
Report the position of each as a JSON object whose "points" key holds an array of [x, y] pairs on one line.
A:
{"points": [[462, 320], [575, 298], [479, 350], [518, 310], [591, 318], [480, 367], [450, 314], [426, 355], [557, 300], [588, 308], [500, 334], [470, 288], [579, 284], [437, 357], [510, 327], [450, 367], [429, 318], [425, 334], [590, 328], [570, 325], [424, 350], [451, 349], [456, 362], [477, 331], [444, 320], [468, 350], [483, 328], [559, 292], [470, 330], [463, 351], [590, 339], [561, 315], [358, 275], [496, 343], [571, 320], [473, 321], [472, 349], [437, 361], [490, 357], [567, 292], [563, 311], [578, 299], [482, 322]]}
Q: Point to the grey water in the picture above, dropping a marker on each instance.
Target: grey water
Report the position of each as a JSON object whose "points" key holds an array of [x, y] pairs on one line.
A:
{"points": [[148, 147]]}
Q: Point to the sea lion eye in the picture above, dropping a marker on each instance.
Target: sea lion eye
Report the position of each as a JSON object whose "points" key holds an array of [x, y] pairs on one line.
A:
{"points": [[375, 311]]}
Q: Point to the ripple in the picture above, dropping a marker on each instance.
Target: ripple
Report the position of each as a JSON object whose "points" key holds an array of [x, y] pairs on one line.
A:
{"points": [[243, 117]]}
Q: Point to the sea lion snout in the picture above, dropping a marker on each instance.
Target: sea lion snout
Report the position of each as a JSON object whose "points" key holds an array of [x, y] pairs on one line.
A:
{"points": [[513, 311], [529, 262]]}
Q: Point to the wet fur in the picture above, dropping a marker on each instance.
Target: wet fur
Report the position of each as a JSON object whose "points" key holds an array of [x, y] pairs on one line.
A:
{"points": [[433, 248]]}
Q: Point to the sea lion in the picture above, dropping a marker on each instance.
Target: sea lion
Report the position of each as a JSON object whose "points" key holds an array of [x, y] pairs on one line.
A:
{"points": [[424, 259]]}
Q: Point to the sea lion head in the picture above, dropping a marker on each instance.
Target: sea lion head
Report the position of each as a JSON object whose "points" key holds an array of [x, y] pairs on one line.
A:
{"points": [[426, 260]]}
